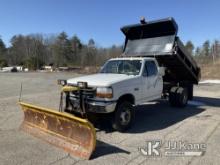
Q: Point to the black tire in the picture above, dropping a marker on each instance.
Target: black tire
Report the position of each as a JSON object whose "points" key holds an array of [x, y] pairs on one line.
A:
{"points": [[173, 96], [190, 92], [182, 97], [67, 105], [123, 116]]}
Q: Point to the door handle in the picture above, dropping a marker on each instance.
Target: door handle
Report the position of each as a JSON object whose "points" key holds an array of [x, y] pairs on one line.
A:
{"points": [[136, 89]]}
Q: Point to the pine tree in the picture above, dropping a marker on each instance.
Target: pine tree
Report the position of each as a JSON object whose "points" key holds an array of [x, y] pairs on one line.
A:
{"points": [[206, 48], [3, 49]]}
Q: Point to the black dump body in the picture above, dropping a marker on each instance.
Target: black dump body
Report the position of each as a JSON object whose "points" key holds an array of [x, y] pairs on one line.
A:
{"points": [[159, 39]]}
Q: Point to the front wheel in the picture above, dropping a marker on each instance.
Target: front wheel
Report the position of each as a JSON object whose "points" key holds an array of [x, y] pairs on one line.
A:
{"points": [[123, 116]]}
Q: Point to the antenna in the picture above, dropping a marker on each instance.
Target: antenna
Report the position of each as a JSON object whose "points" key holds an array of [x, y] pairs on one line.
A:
{"points": [[20, 93]]}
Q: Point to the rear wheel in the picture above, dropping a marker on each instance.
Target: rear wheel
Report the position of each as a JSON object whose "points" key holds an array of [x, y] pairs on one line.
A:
{"points": [[190, 92], [123, 116], [178, 96], [182, 97], [172, 96]]}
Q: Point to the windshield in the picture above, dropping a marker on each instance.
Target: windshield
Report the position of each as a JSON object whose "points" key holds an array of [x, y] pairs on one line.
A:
{"points": [[129, 67]]}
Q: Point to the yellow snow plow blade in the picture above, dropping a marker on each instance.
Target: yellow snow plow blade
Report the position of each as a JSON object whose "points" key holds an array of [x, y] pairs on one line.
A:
{"points": [[73, 134]]}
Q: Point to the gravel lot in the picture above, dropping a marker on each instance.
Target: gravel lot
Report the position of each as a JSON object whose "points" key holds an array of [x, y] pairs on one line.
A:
{"points": [[197, 123]]}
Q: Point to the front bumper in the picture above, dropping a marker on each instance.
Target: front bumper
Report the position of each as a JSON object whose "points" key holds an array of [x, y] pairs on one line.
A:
{"points": [[94, 106], [101, 107]]}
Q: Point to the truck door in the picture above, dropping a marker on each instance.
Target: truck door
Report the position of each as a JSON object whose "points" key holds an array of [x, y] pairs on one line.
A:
{"points": [[152, 84]]}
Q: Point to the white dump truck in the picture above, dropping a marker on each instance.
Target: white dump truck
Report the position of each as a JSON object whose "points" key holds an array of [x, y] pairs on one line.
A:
{"points": [[154, 65]]}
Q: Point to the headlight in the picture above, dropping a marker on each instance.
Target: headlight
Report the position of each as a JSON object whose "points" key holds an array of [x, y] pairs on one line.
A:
{"points": [[61, 82], [82, 84], [104, 92]]}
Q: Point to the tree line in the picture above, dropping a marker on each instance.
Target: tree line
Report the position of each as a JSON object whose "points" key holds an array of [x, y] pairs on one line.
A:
{"points": [[36, 50], [208, 52]]}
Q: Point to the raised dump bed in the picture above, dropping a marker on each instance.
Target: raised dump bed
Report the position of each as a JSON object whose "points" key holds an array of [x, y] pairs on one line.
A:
{"points": [[159, 39]]}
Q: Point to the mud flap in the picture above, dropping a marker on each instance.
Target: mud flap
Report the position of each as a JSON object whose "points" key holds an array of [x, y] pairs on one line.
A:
{"points": [[75, 135]]}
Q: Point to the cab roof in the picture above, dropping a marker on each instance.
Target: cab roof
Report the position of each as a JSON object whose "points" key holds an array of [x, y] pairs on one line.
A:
{"points": [[132, 58]]}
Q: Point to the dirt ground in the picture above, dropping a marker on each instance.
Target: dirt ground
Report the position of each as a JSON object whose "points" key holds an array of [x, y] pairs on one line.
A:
{"points": [[197, 123], [210, 69]]}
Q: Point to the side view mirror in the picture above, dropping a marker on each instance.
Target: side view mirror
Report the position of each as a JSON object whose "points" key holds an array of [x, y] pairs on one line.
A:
{"points": [[162, 71], [100, 69]]}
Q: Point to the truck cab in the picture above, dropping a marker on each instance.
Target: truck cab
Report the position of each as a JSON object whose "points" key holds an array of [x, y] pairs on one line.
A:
{"points": [[139, 77]]}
